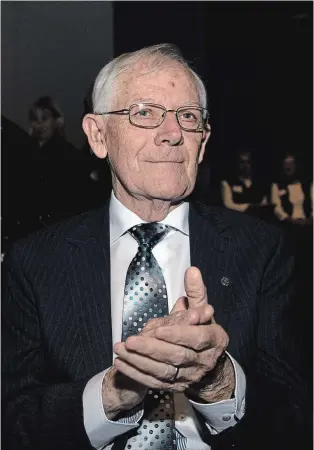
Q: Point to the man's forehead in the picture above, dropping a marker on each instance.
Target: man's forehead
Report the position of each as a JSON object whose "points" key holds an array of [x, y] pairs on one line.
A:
{"points": [[143, 85]]}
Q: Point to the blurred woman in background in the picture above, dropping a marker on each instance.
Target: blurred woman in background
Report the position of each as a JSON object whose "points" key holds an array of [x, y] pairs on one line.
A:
{"points": [[243, 191], [292, 194], [55, 162]]}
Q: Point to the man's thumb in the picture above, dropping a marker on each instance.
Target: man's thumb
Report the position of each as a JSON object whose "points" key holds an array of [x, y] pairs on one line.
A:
{"points": [[195, 288]]}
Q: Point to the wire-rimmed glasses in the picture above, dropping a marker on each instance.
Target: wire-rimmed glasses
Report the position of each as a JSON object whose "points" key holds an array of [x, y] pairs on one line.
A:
{"points": [[150, 115]]}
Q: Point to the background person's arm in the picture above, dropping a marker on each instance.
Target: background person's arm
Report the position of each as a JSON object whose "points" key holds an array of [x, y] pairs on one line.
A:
{"points": [[227, 199], [275, 200]]}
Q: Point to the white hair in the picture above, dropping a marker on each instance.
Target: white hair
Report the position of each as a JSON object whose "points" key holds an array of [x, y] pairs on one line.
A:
{"points": [[154, 57]]}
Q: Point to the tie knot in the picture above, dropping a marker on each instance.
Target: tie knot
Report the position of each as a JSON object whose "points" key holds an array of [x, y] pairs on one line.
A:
{"points": [[149, 234]]}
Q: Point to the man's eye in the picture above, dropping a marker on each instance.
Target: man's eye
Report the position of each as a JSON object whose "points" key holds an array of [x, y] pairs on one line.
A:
{"points": [[144, 113], [189, 116]]}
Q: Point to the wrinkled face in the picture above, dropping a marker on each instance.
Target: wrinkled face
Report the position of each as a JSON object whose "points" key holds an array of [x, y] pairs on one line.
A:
{"points": [[44, 125], [159, 163], [289, 165]]}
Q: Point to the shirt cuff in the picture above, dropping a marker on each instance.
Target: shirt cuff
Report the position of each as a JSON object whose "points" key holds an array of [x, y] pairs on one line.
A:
{"points": [[100, 430], [226, 413]]}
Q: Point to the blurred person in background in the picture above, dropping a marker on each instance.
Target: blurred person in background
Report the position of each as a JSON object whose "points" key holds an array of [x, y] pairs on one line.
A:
{"points": [[243, 192], [292, 194], [55, 175]]}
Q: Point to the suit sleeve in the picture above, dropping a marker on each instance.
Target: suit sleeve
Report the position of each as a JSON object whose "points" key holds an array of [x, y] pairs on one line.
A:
{"points": [[36, 415], [277, 410]]}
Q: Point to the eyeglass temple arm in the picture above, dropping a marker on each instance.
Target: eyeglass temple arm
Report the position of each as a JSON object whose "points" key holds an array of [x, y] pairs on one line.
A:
{"points": [[120, 111]]}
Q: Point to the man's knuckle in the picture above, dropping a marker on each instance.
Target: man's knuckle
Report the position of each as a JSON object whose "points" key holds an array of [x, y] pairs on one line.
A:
{"points": [[198, 375], [156, 384], [152, 323], [201, 340], [180, 357], [180, 387], [167, 372], [199, 344], [208, 361], [221, 337], [178, 317]]}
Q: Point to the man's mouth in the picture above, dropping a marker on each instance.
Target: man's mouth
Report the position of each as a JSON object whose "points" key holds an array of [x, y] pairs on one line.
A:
{"points": [[168, 161]]}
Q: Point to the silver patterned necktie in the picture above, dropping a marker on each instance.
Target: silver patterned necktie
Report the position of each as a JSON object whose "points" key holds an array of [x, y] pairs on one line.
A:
{"points": [[145, 298]]}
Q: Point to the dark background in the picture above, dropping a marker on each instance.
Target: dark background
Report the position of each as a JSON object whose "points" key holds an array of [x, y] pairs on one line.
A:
{"points": [[256, 60], [53, 48]]}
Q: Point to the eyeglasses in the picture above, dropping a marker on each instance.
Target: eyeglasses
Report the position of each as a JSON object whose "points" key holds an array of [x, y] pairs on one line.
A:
{"points": [[149, 115]]}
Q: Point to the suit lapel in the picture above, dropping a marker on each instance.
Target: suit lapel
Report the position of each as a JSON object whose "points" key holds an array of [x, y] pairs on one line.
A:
{"points": [[89, 277], [214, 252]]}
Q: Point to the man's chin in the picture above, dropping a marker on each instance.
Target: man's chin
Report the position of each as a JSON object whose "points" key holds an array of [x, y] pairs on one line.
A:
{"points": [[170, 194]]}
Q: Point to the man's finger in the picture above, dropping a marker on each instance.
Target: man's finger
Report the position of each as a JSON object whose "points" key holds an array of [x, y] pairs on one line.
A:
{"points": [[197, 338], [180, 305], [156, 349], [193, 316], [147, 380], [195, 288]]}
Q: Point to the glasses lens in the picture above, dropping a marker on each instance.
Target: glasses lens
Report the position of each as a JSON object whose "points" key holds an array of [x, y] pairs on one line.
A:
{"points": [[146, 115], [191, 118]]}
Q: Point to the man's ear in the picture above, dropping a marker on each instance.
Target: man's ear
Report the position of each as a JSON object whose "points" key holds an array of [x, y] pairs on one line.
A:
{"points": [[92, 128], [205, 136]]}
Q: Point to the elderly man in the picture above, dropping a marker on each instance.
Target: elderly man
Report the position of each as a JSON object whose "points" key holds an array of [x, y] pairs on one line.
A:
{"points": [[151, 323]]}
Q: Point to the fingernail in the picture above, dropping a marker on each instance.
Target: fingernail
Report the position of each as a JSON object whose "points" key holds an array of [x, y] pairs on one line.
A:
{"points": [[117, 347], [116, 362]]}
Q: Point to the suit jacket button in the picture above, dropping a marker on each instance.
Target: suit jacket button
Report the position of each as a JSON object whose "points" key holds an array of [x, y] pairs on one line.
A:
{"points": [[225, 281], [226, 418]]}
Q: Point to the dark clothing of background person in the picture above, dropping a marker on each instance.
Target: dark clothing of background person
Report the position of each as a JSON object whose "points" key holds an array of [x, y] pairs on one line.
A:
{"points": [[16, 150], [56, 331], [55, 180], [247, 195]]}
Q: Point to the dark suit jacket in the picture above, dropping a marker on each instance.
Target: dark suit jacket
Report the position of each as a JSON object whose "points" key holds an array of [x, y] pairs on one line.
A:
{"points": [[56, 331]]}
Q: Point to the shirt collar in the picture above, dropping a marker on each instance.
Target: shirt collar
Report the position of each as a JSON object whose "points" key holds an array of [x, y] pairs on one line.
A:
{"points": [[122, 219]]}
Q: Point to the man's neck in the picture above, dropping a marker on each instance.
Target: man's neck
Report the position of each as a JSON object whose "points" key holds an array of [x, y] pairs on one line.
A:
{"points": [[149, 210]]}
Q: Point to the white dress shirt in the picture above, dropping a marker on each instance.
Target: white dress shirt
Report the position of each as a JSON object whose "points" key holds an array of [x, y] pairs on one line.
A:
{"points": [[173, 256]]}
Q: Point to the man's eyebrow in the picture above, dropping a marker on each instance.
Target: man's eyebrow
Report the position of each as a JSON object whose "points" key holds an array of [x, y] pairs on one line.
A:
{"points": [[144, 100], [151, 100]]}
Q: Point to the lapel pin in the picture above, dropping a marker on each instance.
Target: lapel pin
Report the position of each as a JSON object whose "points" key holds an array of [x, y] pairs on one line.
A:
{"points": [[225, 281]]}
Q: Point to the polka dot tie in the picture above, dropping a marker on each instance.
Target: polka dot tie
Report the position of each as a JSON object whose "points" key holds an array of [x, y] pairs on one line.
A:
{"points": [[145, 298]]}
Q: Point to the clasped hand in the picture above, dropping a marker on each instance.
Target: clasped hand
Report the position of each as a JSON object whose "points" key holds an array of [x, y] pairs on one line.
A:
{"points": [[188, 339]]}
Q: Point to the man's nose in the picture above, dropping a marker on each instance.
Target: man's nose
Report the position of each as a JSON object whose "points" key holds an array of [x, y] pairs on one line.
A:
{"points": [[169, 132]]}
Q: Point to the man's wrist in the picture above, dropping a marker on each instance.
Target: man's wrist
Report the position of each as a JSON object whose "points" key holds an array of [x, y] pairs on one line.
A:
{"points": [[120, 394], [217, 385]]}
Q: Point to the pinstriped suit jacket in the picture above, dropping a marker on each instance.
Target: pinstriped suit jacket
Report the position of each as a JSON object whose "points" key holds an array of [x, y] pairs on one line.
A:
{"points": [[56, 331]]}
